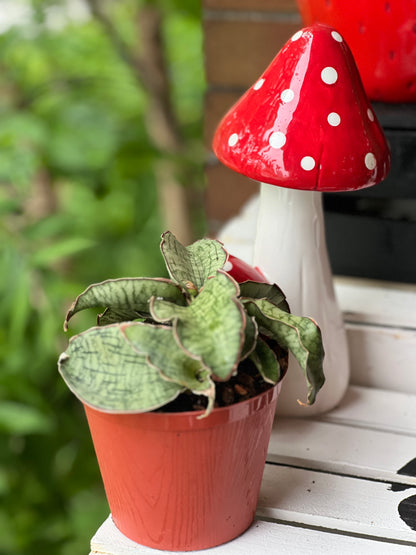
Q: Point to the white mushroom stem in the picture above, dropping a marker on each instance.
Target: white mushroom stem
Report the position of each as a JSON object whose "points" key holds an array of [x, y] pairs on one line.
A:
{"points": [[290, 248]]}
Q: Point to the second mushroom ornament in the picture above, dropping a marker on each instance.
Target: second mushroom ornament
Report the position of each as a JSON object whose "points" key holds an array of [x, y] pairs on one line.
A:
{"points": [[304, 127]]}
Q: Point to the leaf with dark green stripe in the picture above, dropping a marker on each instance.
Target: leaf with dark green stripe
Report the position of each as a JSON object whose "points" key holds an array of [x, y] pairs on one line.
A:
{"points": [[114, 316], [299, 335], [268, 291], [250, 337], [211, 327], [192, 265], [176, 365], [104, 371], [128, 296], [266, 362]]}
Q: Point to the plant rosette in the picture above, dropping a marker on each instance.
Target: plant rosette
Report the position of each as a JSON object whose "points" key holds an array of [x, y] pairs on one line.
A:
{"points": [[179, 380]]}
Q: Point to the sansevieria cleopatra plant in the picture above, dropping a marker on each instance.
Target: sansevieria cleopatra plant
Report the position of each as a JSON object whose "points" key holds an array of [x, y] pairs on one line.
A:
{"points": [[160, 337], [158, 340]]}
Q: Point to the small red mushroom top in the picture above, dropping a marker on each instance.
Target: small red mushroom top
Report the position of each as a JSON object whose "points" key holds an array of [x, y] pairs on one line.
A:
{"points": [[241, 271], [382, 37], [306, 123]]}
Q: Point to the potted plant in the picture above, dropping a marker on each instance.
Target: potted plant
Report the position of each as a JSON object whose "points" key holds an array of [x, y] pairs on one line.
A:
{"points": [[179, 381]]}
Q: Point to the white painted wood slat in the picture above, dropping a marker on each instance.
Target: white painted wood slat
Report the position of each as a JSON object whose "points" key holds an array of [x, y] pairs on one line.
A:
{"points": [[382, 357], [342, 449], [333, 502], [375, 409], [263, 538], [377, 302]]}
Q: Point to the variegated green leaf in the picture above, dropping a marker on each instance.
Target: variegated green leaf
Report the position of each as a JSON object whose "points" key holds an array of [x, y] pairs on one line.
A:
{"points": [[269, 291], [212, 326], [104, 371], [250, 337], [194, 264], [266, 362], [114, 316], [298, 334], [158, 343], [127, 296]]}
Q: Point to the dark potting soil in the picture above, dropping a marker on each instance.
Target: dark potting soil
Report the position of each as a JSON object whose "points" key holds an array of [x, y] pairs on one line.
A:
{"points": [[247, 383]]}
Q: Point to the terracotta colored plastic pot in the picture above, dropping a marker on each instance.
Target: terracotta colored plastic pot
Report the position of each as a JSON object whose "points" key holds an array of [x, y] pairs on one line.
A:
{"points": [[176, 482], [382, 38]]}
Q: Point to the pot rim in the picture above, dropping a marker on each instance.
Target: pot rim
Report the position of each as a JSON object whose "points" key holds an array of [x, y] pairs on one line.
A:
{"points": [[190, 420]]}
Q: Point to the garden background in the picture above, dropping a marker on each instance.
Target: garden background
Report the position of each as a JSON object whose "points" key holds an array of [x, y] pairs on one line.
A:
{"points": [[100, 151]]}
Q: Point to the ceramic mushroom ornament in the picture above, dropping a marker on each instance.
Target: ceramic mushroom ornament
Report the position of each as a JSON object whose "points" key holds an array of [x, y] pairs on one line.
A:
{"points": [[304, 127]]}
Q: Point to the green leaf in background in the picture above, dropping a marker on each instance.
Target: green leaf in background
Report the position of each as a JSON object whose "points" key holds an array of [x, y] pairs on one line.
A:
{"points": [[60, 249], [266, 362], [75, 149], [104, 371], [96, 134], [211, 326], [195, 263], [129, 295], [298, 334], [158, 343], [20, 419]]}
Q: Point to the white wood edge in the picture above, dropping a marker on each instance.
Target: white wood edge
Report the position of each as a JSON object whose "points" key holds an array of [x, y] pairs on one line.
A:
{"points": [[332, 502], [262, 538], [354, 439], [375, 409], [376, 302]]}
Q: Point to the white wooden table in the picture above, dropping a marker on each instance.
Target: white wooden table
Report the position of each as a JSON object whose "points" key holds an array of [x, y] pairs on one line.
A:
{"points": [[345, 482]]}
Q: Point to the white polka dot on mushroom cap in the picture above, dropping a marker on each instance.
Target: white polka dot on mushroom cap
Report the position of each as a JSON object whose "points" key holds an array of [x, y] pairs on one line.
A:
{"points": [[370, 114], [307, 163], [287, 95], [334, 119], [370, 161], [233, 139], [228, 266], [329, 75], [336, 36], [259, 84], [277, 139], [296, 36]]}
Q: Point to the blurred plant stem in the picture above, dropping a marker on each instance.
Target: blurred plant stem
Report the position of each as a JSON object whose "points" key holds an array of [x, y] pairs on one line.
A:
{"points": [[150, 71]]}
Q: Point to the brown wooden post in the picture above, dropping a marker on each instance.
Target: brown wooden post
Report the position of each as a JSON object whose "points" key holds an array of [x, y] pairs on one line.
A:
{"points": [[241, 39]]}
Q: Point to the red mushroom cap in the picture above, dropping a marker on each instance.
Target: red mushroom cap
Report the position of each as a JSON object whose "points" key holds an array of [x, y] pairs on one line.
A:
{"points": [[241, 271], [306, 123], [382, 37]]}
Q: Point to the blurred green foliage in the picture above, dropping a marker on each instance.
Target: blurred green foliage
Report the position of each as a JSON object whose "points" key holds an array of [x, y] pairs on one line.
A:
{"points": [[78, 204]]}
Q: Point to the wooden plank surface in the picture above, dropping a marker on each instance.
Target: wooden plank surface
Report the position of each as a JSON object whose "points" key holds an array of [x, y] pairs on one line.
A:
{"points": [[375, 409], [376, 302], [371, 435], [333, 502], [382, 357], [263, 538], [342, 449]]}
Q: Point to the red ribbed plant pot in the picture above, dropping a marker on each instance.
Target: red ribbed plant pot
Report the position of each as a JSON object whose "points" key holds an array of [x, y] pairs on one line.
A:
{"points": [[179, 483]]}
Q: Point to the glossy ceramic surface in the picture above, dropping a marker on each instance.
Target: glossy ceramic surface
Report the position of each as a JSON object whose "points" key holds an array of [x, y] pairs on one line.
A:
{"points": [[176, 482], [306, 123], [241, 271], [382, 37], [290, 247]]}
